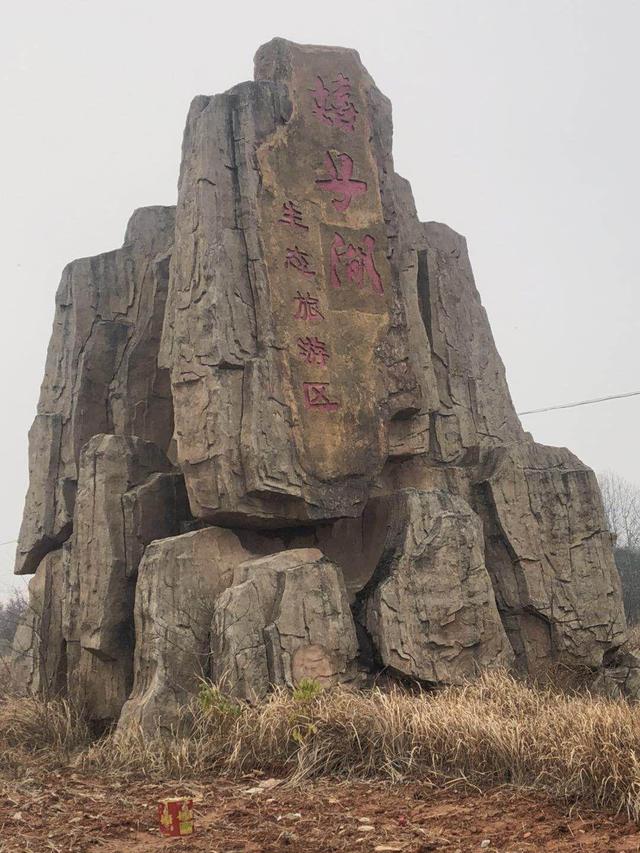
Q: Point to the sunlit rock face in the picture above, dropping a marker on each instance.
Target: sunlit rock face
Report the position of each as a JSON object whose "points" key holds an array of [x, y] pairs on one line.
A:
{"points": [[275, 439]]}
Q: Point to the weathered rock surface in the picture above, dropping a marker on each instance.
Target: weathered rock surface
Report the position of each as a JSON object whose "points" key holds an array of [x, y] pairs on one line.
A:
{"points": [[285, 618], [128, 495], [101, 374], [430, 609], [335, 382], [355, 544], [475, 408], [179, 580], [285, 333], [550, 557], [38, 664], [619, 676]]}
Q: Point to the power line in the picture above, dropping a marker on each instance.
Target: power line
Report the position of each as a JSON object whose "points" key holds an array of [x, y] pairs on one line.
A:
{"points": [[581, 403], [9, 542]]}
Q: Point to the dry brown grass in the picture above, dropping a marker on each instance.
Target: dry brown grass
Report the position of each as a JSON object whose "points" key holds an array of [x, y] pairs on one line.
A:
{"points": [[36, 733], [494, 731], [633, 637]]}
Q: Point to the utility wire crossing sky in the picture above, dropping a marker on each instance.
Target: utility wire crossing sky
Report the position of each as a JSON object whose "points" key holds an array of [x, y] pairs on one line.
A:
{"points": [[581, 403]]}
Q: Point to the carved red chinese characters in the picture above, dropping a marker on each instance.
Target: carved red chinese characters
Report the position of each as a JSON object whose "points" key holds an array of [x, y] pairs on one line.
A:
{"points": [[334, 106], [298, 260], [354, 264], [313, 351], [316, 397], [292, 215], [341, 181], [307, 308]]}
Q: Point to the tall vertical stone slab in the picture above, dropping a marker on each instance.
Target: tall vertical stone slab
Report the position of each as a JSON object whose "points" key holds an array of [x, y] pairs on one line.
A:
{"points": [[38, 661], [127, 496], [101, 374], [474, 408], [286, 333]]}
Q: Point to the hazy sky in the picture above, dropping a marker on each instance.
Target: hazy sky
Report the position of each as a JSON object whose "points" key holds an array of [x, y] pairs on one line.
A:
{"points": [[516, 122]]}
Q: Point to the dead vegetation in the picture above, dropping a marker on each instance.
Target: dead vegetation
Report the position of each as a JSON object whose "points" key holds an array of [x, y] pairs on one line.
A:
{"points": [[633, 637], [494, 731]]}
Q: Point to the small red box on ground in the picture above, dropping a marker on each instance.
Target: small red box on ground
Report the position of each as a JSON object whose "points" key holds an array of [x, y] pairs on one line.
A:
{"points": [[176, 816]]}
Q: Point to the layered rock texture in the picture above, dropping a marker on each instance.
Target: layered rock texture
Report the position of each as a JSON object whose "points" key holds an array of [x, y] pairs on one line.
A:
{"points": [[286, 617], [101, 374], [275, 439]]}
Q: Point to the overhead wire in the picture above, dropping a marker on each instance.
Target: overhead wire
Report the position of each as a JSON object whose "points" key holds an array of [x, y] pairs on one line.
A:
{"points": [[580, 403]]}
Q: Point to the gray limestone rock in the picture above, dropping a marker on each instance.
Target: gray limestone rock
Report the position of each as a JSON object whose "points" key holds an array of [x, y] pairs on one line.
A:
{"points": [[619, 676], [430, 609], [549, 554], [285, 618], [38, 660], [101, 374], [475, 408], [128, 495], [179, 581]]}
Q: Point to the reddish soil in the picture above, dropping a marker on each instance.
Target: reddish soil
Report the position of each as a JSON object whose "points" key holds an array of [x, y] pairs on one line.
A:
{"points": [[74, 813]]}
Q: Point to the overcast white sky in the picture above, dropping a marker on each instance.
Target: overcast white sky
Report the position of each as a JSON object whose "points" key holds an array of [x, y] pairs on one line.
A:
{"points": [[516, 122]]}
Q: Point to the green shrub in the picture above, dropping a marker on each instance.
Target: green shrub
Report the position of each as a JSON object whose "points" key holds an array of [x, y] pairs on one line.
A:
{"points": [[307, 690], [212, 700]]}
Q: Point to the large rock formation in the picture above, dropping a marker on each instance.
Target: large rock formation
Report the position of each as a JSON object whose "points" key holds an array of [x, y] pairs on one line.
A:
{"points": [[341, 416]]}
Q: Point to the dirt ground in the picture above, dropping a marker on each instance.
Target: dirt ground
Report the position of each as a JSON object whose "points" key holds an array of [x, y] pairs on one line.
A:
{"points": [[74, 813]]}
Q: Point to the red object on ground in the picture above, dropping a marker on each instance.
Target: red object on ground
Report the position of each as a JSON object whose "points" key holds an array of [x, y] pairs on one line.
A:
{"points": [[176, 816]]}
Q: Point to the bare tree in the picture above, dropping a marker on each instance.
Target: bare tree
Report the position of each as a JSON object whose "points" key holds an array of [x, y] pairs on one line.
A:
{"points": [[11, 611], [621, 501], [622, 508]]}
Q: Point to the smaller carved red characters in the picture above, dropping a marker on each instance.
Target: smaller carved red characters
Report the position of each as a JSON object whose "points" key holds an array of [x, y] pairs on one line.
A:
{"points": [[313, 351], [307, 308], [292, 215], [316, 397], [298, 260]]}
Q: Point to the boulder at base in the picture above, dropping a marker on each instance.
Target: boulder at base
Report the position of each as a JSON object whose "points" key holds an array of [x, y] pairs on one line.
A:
{"points": [[285, 618], [178, 583], [430, 610]]}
